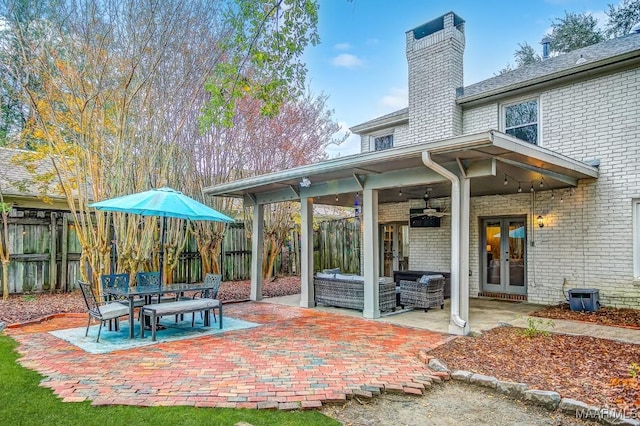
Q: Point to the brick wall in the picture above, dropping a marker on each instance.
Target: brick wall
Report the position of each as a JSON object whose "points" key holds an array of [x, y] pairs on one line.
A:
{"points": [[587, 240]]}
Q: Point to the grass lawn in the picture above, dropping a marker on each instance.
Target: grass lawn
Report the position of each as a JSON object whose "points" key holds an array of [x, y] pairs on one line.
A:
{"points": [[26, 403]]}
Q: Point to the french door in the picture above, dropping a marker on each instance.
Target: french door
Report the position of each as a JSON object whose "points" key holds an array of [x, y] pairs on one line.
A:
{"points": [[394, 248], [504, 255]]}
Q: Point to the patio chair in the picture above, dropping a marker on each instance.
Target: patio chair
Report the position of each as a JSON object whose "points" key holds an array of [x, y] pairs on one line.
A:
{"points": [[214, 280], [110, 281], [152, 280], [427, 292], [101, 312]]}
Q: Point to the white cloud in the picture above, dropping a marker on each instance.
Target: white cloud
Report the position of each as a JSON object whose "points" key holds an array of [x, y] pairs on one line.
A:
{"points": [[601, 17], [347, 60], [372, 41], [396, 98], [348, 147], [342, 46]]}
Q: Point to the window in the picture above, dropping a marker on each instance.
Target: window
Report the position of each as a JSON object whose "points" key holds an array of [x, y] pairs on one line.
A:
{"points": [[521, 120], [383, 142]]}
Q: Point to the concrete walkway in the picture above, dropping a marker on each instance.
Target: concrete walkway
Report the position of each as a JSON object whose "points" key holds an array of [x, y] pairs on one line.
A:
{"points": [[484, 314], [627, 335]]}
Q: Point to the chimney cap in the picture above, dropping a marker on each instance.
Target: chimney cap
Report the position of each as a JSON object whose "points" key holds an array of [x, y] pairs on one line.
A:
{"points": [[435, 25]]}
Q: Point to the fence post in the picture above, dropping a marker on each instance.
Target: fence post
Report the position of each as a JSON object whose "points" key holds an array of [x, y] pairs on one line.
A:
{"points": [[52, 253], [63, 260]]}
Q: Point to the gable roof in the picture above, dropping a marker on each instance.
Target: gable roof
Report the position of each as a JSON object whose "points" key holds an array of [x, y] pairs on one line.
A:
{"points": [[607, 53], [17, 180], [19, 185], [395, 118]]}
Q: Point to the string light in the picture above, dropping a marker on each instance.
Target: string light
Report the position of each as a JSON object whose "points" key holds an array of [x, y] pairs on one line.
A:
{"points": [[505, 180], [553, 197], [336, 197], [519, 187], [531, 190], [541, 184], [400, 193]]}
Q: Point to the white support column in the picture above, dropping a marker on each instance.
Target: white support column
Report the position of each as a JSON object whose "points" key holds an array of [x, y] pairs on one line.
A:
{"points": [[371, 253], [307, 296], [464, 251], [257, 244]]}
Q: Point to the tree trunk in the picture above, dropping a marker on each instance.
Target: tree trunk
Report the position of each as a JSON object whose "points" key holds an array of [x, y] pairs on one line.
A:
{"points": [[5, 280]]}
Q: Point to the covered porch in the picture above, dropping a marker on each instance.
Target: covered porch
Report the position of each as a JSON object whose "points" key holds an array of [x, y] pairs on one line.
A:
{"points": [[459, 168]]}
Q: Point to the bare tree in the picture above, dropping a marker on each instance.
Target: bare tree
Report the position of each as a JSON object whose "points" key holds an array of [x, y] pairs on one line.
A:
{"points": [[112, 93], [297, 136], [114, 89]]}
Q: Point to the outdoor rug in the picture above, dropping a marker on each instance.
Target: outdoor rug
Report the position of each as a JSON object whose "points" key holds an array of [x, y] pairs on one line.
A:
{"points": [[119, 340]]}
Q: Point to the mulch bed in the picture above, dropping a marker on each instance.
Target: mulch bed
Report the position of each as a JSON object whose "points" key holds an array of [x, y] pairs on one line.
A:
{"points": [[595, 371], [618, 317]]}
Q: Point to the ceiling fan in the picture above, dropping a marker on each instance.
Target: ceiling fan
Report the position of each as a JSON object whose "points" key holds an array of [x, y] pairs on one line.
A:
{"points": [[428, 210]]}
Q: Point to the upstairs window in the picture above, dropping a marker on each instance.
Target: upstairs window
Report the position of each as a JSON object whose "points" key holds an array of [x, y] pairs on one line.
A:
{"points": [[383, 142], [521, 120]]}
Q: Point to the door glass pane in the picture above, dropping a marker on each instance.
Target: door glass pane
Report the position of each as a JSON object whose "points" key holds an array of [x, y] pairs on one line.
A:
{"points": [[387, 250], [516, 253], [403, 249], [492, 272]]}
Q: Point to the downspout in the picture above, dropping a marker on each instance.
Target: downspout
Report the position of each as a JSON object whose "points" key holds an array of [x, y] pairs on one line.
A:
{"points": [[455, 235]]}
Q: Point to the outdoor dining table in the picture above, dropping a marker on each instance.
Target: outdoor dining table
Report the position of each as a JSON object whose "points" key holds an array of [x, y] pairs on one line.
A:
{"points": [[131, 293]]}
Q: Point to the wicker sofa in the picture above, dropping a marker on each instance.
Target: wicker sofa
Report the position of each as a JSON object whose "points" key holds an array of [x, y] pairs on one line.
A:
{"points": [[426, 292], [347, 291]]}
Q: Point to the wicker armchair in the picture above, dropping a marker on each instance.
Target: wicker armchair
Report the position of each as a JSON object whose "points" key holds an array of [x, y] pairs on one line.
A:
{"points": [[427, 292]]}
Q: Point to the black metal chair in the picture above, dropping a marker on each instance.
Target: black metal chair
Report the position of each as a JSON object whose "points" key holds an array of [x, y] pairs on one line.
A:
{"points": [[150, 280], [214, 280], [110, 281], [101, 312]]}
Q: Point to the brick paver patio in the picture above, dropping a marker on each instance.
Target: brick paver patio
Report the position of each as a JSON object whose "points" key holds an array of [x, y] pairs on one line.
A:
{"points": [[297, 358]]}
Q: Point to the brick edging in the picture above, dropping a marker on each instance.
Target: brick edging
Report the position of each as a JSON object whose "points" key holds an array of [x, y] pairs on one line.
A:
{"points": [[47, 318]]}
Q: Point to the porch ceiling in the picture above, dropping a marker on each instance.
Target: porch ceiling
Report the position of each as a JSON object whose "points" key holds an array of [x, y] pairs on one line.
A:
{"points": [[486, 157]]}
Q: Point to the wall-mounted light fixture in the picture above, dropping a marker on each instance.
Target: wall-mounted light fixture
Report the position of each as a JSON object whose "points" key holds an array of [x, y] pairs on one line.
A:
{"points": [[305, 182], [540, 222]]}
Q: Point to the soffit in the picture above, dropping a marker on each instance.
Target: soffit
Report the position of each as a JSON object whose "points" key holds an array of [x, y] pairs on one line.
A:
{"points": [[522, 164]]}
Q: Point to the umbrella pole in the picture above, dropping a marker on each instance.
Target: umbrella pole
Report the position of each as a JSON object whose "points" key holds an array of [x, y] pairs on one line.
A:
{"points": [[162, 232]]}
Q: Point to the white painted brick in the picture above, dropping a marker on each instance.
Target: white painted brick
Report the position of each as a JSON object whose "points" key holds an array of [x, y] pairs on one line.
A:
{"points": [[588, 238]]}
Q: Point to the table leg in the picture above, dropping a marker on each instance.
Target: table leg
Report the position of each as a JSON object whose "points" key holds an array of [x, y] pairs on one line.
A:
{"points": [[131, 318]]}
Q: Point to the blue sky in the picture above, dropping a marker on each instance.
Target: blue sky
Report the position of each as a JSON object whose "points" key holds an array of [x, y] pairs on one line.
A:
{"points": [[360, 62]]}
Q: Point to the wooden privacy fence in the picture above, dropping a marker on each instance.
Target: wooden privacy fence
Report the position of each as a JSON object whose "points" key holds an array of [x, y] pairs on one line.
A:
{"points": [[45, 252]]}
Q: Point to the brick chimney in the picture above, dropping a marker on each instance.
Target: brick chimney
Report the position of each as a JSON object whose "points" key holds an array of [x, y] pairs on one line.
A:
{"points": [[434, 55]]}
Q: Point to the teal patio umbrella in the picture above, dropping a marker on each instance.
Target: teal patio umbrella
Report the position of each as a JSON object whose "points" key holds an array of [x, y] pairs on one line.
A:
{"points": [[162, 202]]}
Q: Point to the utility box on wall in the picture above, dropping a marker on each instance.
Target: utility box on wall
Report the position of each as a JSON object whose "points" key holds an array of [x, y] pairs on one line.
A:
{"points": [[584, 299]]}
